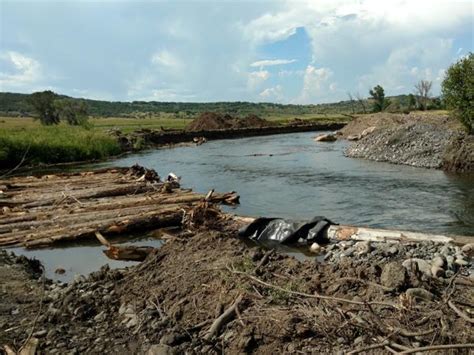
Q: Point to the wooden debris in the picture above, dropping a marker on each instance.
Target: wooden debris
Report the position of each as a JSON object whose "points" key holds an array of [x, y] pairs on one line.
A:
{"points": [[128, 253], [41, 210]]}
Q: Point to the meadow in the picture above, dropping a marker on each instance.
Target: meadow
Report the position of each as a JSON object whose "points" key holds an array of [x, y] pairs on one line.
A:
{"points": [[23, 138]]}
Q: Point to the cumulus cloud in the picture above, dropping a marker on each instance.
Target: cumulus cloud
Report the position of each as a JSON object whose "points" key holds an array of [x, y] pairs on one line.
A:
{"points": [[18, 70], [169, 50], [273, 93], [256, 78], [315, 84], [271, 62]]}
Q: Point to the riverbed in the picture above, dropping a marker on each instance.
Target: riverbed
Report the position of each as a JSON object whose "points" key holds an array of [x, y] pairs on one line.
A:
{"points": [[292, 176]]}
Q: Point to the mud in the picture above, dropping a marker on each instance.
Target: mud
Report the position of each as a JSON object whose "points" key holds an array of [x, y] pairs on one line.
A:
{"points": [[168, 303]]}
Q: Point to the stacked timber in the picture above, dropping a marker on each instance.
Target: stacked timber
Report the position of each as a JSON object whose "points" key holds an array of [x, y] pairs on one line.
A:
{"points": [[41, 210]]}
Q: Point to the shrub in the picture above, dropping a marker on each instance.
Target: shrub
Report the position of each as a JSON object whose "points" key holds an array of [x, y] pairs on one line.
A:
{"points": [[458, 90]]}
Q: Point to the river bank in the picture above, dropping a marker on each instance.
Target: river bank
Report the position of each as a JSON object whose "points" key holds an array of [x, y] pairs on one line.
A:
{"points": [[422, 139], [207, 291]]}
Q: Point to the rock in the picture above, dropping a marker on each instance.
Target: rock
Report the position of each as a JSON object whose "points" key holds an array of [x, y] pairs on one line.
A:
{"points": [[363, 247], [461, 262], [468, 249], [420, 293], [326, 138], [437, 271], [413, 264], [60, 271], [367, 131], [438, 261], [160, 349], [40, 333], [353, 137], [315, 248], [100, 317], [393, 275]]}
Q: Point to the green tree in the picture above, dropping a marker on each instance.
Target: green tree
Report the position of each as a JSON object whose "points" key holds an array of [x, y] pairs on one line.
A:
{"points": [[458, 90], [411, 102], [380, 102], [74, 112], [43, 103]]}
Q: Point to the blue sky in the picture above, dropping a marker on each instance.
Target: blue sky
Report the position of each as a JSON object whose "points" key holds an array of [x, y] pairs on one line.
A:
{"points": [[273, 51]]}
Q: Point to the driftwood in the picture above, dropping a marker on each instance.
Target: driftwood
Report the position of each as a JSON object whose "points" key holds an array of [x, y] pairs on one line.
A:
{"points": [[128, 253], [223, 319], [40, 210]]}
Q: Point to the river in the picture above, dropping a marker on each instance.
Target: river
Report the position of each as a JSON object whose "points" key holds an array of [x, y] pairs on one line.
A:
{"points": [[292, 176]]}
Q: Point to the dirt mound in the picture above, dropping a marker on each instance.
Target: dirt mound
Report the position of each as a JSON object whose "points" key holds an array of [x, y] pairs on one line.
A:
{"points": [[252, 121], [209, 292], [212, 121]]}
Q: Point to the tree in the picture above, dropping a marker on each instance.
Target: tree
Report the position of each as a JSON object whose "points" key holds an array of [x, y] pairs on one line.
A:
{"points": [[74, 112], [351, 101], [380, 102], [411, 102], [422, 92], [458, 90], [43, 104], [361, 101]]}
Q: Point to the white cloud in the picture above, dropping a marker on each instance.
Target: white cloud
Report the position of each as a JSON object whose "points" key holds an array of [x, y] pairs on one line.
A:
{"points": [[315, 84], [18, 70], [256, 78], [165, 58], [274, 93], [271, 62]]}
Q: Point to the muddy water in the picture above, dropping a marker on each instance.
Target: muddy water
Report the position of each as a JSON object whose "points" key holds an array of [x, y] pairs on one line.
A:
{"points": [[293, 176]]}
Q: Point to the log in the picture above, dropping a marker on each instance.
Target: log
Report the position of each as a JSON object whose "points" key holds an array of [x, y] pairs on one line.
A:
{"points": [[124, 253]]}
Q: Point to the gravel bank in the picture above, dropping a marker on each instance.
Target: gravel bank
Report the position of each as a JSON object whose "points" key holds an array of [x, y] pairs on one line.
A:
{"points": [[428, 140], [416, 144]]}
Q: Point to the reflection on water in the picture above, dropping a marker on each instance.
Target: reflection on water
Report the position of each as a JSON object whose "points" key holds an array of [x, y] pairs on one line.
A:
{"points": [[293, 176], [81, 258]]}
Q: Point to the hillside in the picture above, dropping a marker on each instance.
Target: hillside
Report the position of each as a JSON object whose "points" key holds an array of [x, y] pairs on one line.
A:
{"points": [[13, 104]]}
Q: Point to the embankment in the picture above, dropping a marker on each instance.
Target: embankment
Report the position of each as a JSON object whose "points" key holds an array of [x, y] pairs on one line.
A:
{"points": [[423, 140], [158, 138]]}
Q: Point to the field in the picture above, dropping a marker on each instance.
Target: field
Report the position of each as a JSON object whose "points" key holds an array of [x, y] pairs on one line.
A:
{"points": [[23, 137]]}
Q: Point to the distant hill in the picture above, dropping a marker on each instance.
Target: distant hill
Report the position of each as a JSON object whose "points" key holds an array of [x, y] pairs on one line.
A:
{"points": [[13, 104]]}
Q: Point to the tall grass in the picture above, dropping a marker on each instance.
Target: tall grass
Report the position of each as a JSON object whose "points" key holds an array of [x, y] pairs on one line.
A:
{"points": [[51, 145]]}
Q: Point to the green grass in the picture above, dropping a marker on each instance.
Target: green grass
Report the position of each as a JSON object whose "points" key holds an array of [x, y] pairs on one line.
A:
{"points": [[52, 145], [63, 143]]}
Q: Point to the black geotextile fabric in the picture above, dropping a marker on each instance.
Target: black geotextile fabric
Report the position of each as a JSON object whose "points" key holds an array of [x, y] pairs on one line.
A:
{"points": [[286, 231]]}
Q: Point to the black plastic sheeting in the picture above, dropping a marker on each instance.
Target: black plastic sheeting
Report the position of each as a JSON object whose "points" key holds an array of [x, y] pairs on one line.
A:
{"points": [[282, 231]]}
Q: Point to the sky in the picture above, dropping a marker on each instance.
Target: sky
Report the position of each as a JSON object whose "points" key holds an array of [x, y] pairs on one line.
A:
{"points": [[299, 51]]}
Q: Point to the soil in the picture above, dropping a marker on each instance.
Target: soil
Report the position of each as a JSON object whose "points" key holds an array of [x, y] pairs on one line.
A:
{"points": [[168, 303], [422, 139], [214, 121]]}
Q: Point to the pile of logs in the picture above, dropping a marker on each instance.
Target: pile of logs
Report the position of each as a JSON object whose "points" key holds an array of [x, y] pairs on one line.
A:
{"points": [[37, 211]]}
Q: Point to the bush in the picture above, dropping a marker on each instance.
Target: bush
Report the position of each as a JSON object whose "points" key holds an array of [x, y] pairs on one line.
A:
{"points": [[458, 90]]}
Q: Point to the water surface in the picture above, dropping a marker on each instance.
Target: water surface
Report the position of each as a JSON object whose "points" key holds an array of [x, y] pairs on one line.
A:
{"points": [[292, 176]]}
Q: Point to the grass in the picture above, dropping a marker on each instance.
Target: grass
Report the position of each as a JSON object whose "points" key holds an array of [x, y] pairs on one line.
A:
{"points": [[51, 145], [63, 143]]}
